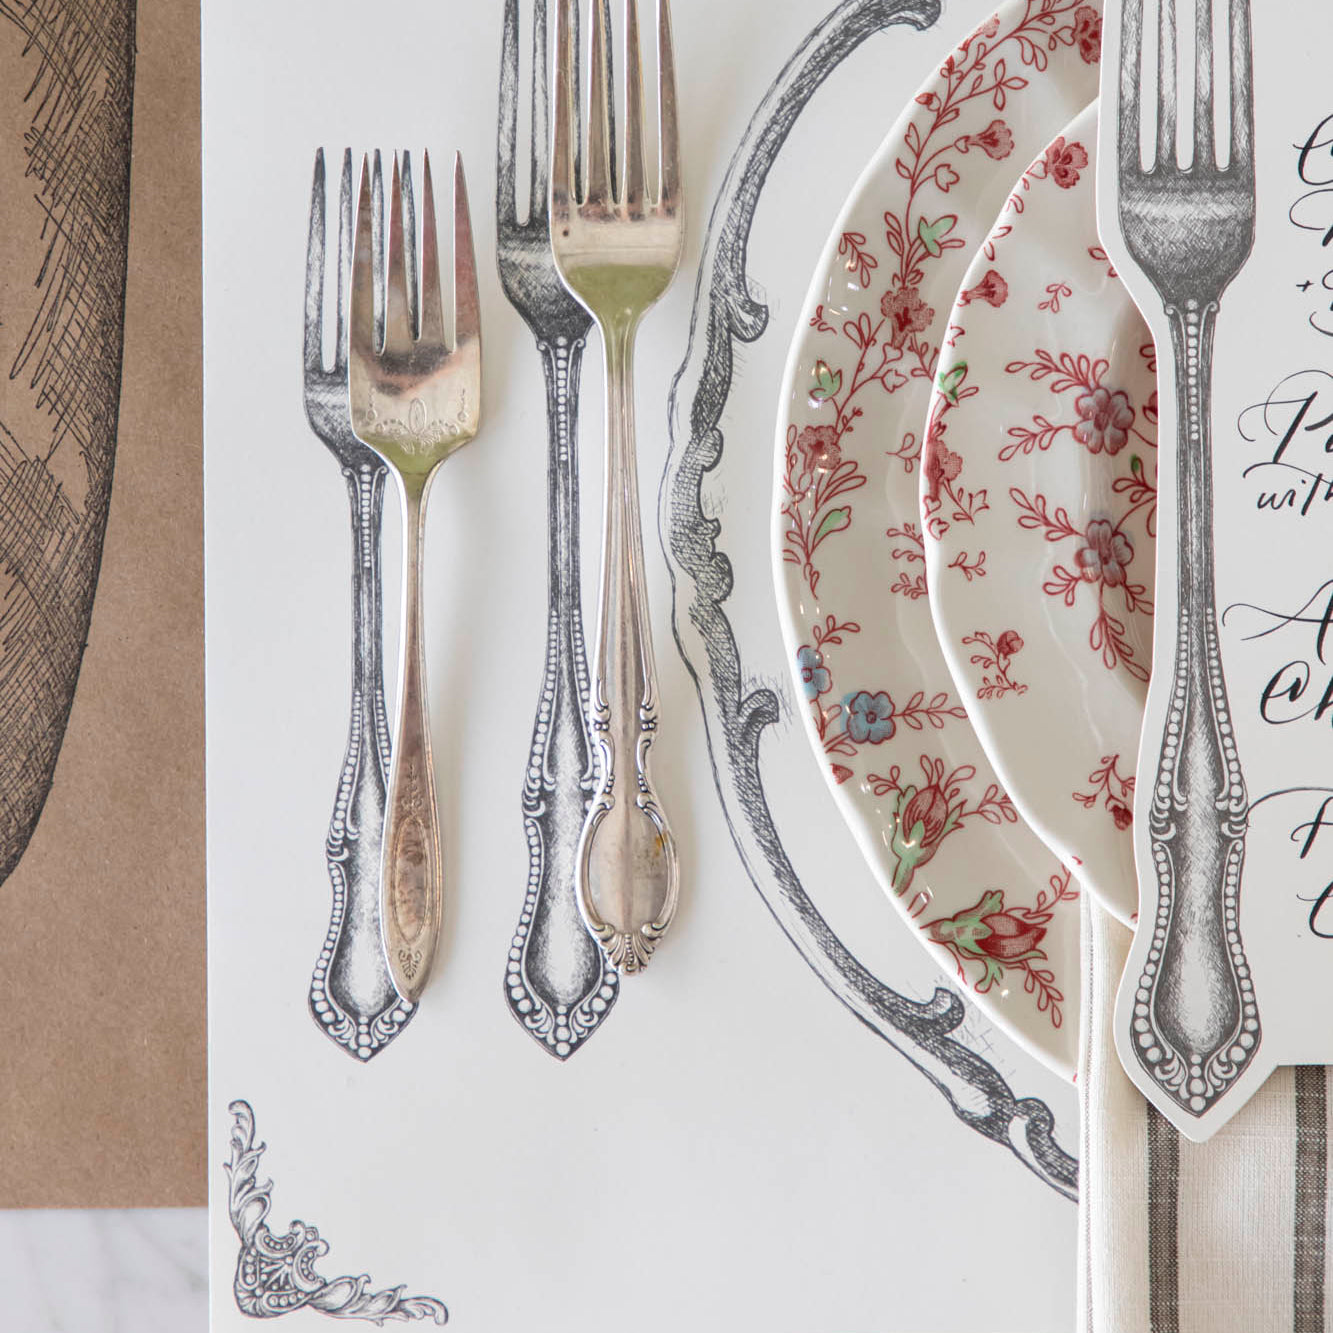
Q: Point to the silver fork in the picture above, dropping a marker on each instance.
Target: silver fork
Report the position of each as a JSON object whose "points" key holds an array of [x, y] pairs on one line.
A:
{"points": [[558, 983], [1191, 231], [352, 996], [415, 400], [617, 248]]}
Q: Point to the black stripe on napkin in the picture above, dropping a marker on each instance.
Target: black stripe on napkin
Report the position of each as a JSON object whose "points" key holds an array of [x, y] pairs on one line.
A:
{"points": [[1163, 1224], [1307, 1296]]}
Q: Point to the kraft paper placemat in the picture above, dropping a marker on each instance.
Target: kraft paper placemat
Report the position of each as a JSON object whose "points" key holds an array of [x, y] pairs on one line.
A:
{"points": [[102, 918]]}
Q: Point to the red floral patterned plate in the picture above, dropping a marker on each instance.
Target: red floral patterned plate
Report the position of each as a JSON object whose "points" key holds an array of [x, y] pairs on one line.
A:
{"points": [[892, 734], [1039, 505]]}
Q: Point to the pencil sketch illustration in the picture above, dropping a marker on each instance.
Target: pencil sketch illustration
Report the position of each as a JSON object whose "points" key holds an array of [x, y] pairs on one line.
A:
{"points": [[1195, 1017], [352, 995], [62, 307], [558, 982], [727, 313], [276, 1274]]}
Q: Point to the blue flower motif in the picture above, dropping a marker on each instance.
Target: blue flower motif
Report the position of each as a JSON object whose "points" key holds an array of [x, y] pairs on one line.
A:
{"points": [[870, 718], [814, 674]]}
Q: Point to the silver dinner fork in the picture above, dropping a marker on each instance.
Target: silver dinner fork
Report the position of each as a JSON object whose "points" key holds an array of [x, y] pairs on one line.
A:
{"points": [[617, 247], [558, 983], [352, 996], [1190, 230], [415, 400]]}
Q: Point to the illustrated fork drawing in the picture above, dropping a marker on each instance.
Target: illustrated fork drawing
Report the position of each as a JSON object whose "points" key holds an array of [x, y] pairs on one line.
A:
{"points": [[1190, 230], [415, 400], [558, 982], [352, 995], [617, 246]]}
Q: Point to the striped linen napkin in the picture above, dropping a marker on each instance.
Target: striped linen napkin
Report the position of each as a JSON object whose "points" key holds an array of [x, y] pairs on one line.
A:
{"points": [[1230, 1236]]}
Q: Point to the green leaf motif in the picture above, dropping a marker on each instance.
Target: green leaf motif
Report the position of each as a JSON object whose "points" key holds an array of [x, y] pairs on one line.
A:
{"points": [[933, 233], [951, 381], [836, 520], [828, 383]]}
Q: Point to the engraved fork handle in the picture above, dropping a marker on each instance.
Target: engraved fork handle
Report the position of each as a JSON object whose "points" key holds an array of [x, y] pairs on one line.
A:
{"points": [[352, 995], [412, 889], [628, 881], [1196, 1022], [558, 982]]}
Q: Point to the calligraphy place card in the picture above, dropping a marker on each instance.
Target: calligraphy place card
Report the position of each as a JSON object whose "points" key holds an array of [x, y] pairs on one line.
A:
{"points": [[1217, 208]]}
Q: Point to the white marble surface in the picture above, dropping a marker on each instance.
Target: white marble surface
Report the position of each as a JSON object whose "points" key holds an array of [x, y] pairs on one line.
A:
{"points": [[140, 1271]]}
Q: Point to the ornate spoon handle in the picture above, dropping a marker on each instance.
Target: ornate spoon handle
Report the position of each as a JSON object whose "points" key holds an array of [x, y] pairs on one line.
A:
{"points": [[352, 995], [1196, 1022], [558, 983], [628, 878], [412, 891]]}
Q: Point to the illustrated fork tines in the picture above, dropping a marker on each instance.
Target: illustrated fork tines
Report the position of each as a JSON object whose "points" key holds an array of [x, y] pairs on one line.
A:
{"points": [[1204, 62], [317, 277]]}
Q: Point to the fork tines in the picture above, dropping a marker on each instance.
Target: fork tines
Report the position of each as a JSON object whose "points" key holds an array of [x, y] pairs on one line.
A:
{"points": [[1169, 46], [605, 180], [413, 301]]}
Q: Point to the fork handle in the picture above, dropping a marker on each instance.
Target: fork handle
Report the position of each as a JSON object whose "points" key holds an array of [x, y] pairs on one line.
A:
{"points": [[411, 902], [1196, 1022], [556, 971], [628, 880], [352, 995]]}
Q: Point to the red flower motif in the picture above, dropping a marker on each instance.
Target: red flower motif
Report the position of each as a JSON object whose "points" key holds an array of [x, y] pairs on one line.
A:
{"points": [[941, 464], [1104, 420], [1107, 555], [1009, 644], [841, 773], [996, 140], [819, 446], [992, 289], [929, 808], [1010, 937], [1088, 33], [1064, 161], [1122, 816], [906, 312]]}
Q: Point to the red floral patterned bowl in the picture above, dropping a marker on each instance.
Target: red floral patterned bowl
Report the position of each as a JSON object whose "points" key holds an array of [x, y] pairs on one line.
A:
{"points": [[880, 708], [1039, 504]]}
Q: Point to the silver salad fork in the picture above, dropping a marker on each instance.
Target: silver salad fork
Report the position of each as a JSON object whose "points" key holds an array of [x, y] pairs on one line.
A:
{"points": [[558, 983], [617, 247], [415, 400], [1190, 230], [352, 995]]}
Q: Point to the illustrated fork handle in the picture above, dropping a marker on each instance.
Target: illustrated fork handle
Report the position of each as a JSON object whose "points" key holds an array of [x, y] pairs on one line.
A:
{"points": [[558, 982], [352, 995], [1196, 1023], [628, 879], [412, 892]]}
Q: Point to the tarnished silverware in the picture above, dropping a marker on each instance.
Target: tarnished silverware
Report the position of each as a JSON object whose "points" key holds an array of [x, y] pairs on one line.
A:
{"points": [[558, 983], [617, 247], [1190, 231], [352, 995], [415, 400]]}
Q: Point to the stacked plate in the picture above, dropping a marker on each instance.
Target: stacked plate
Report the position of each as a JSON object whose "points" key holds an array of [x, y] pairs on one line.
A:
{"points": [[964, 520]]}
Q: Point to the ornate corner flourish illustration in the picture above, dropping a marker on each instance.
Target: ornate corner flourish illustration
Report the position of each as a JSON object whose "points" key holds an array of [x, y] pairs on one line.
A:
{"points": [[726, 313], [276, 1274]]}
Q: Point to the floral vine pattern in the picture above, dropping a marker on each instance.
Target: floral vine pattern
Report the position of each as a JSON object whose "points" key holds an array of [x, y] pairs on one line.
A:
{"points": [[882, 350], [1112, 792], [997, 937], [276, 1274], [995, 657]]}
